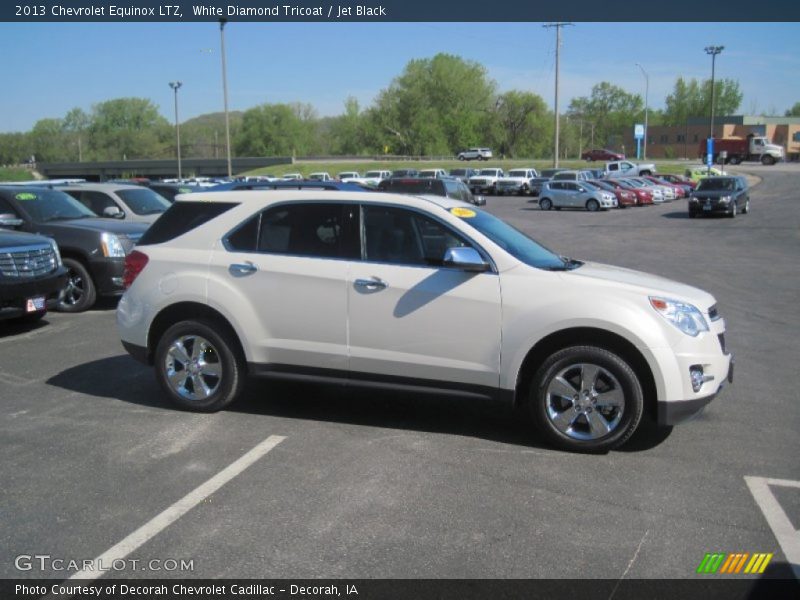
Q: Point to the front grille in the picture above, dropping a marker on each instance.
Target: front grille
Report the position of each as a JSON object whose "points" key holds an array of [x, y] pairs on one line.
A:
{"points": [[128, 241], [478, 182], [27, 262]]}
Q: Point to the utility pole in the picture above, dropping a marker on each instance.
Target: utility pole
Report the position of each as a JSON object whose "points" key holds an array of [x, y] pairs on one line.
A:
{"points": [[558, 27], [713, 51], [175, 85], [225, 93]]}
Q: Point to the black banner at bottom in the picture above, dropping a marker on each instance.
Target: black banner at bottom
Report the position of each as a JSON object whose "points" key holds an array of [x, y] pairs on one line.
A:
{"points": [[400, 589]]}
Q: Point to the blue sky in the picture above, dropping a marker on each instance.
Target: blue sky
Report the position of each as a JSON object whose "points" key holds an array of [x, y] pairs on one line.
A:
{"points": [[50, 68]]}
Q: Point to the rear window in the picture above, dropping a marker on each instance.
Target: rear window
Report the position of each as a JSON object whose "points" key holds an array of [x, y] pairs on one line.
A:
{"points": [[181, 218]]}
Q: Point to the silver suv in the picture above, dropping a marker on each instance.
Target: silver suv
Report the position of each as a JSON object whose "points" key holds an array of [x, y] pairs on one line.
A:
{"points": [[134, 203], [475, 154], [415, 293]]}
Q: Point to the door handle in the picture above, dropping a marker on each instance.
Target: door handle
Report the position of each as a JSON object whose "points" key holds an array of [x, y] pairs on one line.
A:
{"points": [[371, 284], [241, 269]]}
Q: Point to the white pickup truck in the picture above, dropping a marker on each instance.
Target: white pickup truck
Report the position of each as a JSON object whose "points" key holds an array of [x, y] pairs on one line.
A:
{"points": [[625, 168], [372, 178], [485, 182], [516, 181]]}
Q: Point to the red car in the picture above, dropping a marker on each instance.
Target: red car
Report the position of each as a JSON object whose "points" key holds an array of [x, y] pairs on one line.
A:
{"points": [[625, 197], [680, 191], [643, 196], [601, 154]]}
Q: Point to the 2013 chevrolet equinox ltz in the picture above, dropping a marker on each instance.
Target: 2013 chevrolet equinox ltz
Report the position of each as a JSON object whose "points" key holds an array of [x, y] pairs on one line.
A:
{"points": [[406, 291]]}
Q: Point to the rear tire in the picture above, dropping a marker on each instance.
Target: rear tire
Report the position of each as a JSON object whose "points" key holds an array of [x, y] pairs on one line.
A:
{"points": [[199, 366], [586, 399]]}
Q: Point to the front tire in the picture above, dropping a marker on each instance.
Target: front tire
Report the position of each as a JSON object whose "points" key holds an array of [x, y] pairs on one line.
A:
{"points": [[545, 204], [767, 160], [80, 293], [199, 366], [586, 399], [746, 209], [732, 214], [592, 205]]}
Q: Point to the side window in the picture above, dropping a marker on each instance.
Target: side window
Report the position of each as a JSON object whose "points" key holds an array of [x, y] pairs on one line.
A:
{"points": [[7, 209], [613, 167], [323, 230], [398, 236], [97, 202]]}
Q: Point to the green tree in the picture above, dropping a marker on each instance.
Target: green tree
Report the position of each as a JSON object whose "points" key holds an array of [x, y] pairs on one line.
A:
{"points": [[436, 106], [277, 130], [693, 99], [345, 133], [794, 111], [522, 124], [15, 148], [49, 141], [611, 110], [128, 128]]}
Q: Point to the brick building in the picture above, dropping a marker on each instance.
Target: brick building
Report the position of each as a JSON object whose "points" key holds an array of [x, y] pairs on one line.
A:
{"points": [[683, 141]]}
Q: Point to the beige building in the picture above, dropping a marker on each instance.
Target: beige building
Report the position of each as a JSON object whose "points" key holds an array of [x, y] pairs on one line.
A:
{"points": [[684, 141]]}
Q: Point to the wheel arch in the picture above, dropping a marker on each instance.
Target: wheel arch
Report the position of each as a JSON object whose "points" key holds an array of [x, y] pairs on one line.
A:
{"points": [[185, 311], [588, 336]]}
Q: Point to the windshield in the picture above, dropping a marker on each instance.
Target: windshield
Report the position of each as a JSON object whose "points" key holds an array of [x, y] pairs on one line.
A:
{"points": [[716, 185], [373, 174], [513, 241], [517, 173], [51, 205], [490, 172], [144, 201]]}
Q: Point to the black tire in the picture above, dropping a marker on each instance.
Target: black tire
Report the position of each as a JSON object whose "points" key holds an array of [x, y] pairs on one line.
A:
{"points": [[209, 351], [767, 160], [545, 204], [746, 209], [461, 158], [733, 212], [733, 160], [598, 378], [592, 205], [643, 173], [80, 293]]}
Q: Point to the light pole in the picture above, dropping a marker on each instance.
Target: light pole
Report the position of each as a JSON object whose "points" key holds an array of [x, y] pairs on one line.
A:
{"points": [[713, 51], [225, 94], [646, 94], [175, 85], [558, 27]]}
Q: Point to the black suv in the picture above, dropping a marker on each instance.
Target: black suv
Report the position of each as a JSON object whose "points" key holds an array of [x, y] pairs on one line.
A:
{"points": [[450, 188], [93, 249], [31, 274], [727, 195]]}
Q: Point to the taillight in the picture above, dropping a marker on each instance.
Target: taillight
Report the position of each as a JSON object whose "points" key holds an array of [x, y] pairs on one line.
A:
{"points": [[134, 263]]}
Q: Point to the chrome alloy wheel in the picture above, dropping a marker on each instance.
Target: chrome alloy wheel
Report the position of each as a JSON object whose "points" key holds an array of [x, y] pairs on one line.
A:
{"points": [[192, 367], [584, 401]]}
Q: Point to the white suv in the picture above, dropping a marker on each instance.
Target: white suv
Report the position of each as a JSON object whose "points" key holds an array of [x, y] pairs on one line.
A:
{"points": [[410, 292], [475, 154]]}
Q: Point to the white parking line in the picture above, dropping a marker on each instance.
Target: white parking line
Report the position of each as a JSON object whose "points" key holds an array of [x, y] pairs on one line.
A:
{"points": [[783, 530], [180, 508]]}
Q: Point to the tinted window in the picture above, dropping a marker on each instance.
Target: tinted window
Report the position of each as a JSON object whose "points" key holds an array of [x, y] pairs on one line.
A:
{"points": [[94, 201], [324, 230], [143, 201], [181, 218], [50, 205], [398, 236]]}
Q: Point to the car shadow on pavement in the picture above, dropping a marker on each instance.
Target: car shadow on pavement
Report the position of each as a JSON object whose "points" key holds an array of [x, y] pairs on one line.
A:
{"points": [[676, 215], [14, 327], [122, 378]]}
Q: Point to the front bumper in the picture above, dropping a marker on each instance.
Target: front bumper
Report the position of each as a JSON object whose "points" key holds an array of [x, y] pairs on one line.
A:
{"points": [[107, 275], [672, 413], [14, 295]]}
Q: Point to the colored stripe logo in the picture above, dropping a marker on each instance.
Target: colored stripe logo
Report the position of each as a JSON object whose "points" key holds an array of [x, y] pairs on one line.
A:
{"points": [[734, 563]]}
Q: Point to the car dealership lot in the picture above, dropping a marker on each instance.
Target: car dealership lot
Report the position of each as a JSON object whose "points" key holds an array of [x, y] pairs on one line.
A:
{"points": [[372, 484]]}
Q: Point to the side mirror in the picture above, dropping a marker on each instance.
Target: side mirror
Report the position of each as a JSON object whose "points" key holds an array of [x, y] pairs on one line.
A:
{"points": [[480, 200], [9, 220], [466, 259], [114, 212]]}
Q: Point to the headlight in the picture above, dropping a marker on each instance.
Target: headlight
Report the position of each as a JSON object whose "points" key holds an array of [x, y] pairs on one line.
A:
{"points": [[56, 252], [693, 198], [684, 316], [111, 245], [724, 199]]}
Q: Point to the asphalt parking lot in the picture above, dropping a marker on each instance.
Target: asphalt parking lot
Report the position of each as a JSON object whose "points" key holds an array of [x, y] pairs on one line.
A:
{"points": [[377, 485]]}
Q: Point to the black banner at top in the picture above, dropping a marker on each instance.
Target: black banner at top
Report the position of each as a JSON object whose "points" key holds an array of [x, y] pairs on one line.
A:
{"points": [[398, 11]]}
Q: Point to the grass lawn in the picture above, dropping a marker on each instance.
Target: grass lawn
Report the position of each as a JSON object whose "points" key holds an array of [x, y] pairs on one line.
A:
{"points": [[15, 175]]}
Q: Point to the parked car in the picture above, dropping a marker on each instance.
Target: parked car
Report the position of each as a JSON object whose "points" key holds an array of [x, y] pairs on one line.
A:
{"points": [[449, 187], [413, 293], [571, 175], [678, 180], [168, 191], [697, 172], [668, 192], [656, 193], [347, 175], [432, 173], [134, 203], [544, 176], [92, 249], [32, 277], [475, 154], [405, 173], [575, 194], [516, 181], [625, 197], [644, 196], [601, 154], [371, 179], [678, 190], [348, 186], [292, 177], [463, 174], [485, 182], [726, 195], [321, 176], [625, 168]]}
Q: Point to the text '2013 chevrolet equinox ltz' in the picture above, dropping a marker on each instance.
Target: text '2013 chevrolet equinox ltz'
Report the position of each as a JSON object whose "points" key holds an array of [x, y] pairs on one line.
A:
{"points": [[413, 292]]}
